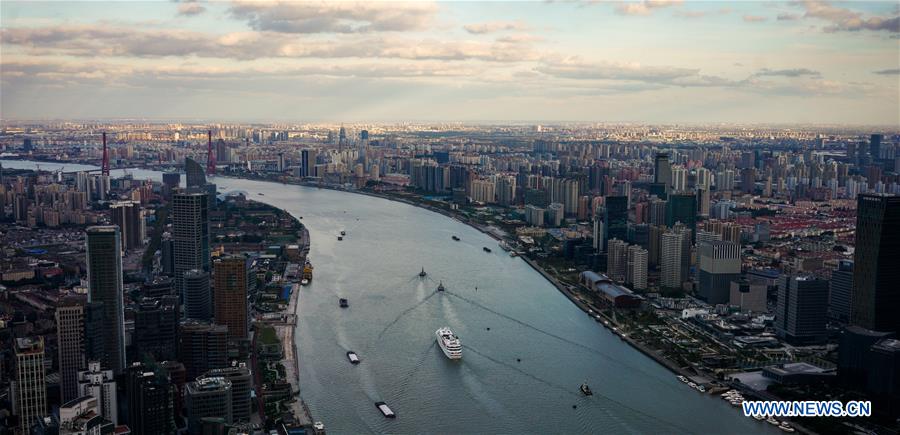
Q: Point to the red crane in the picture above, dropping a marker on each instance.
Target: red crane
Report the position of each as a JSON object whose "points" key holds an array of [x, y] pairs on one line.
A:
{"points": [[210, 157], [104, 168]]}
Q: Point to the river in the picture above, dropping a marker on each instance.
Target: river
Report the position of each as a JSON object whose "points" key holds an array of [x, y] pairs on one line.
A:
{"points": [[526, 347]]}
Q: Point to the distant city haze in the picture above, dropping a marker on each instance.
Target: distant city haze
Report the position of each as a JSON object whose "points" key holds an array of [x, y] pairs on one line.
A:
{"points": [[643, 61]]}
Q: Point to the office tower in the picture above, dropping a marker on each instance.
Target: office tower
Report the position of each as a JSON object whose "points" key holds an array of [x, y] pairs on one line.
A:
{"points": [[841, 286], [748, 180], [129, 218], [308, 163], [615, 218], [171, 180], [682, 207], [241, 386], [202, 347], [197, 295], [231, 295], [747, 296], [720, 264], [657, 213], [104, 264], [150, 406], [876, 294], [100, 385], [875, 146], [675, 251], [207, 397], [178, 379], [654, 244], [662, 169], [167, 257], [703, 202], [156, 329], [802, 309], [617, 260], [637, 267], [30, 398], [70, 342], [195, 174], [190, 217]]}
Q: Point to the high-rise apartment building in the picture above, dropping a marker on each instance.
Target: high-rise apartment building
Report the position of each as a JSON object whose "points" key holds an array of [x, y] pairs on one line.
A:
{"points": [[675, 252], [615, 218], [101, 385], [617, 260], [637, 267], [104, 270], [127, 215], [30, 389], [70, 342]]}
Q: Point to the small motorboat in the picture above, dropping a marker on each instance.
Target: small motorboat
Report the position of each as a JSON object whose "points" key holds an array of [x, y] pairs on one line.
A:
{"points": [[586, 390], [304, 281], [340, 238], [786, 427], [423, 273], [353, 357], [385, 410], [343, 233], [440, 286], [455, 238], [486, 249], [261, 194], [343, 303]]}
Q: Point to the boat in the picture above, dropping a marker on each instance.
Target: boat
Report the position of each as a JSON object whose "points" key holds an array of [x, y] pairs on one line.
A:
{"points": [[455, 238], [504, 246], [343, 303], [486, 249], [701, 388], [422, 273], [772, 421], [307, 271], [759, 417], [682, 379], [786, 427], [353, 357], [319, 426], [261, 194], [340, 238], [343, 233], [585, 389], [385, 410], [304, 281], [513, 254], [440, 287], [449, 343]]}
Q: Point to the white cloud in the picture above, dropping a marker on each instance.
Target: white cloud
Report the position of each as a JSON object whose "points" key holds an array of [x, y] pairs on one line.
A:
{"points": [[495, 26], [334, 17], [645, 7]]}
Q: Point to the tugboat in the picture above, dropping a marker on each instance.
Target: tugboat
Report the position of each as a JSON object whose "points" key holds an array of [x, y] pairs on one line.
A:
{"points": [[340, 238], [455, 238], [440, 287], [343, 303], [585, 389], [422, 274], [343, 233], [486, 249]]}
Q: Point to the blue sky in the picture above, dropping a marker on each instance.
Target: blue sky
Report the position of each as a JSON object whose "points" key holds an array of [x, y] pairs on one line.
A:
{"points": [[654, 61]]}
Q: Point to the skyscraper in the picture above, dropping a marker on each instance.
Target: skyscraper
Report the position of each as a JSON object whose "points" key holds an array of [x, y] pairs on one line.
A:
{"points": [[128, 216], [70, 341], [197, 295], [841, 286], [150, 406], [662, 169], [637, 267], [720, 263], [308, 163], [104, 264], [100, 385], [194, 173], [802, 309], [231, 295], [876, 294], [190, 216], [241, 385], [875, 146], [30, 399], [202, 347], [682, 207], [156, 329], [675, 251], [615, 218]]}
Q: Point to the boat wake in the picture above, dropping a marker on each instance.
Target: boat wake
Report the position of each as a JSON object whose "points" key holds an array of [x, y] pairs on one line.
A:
{"points": [[403, 313]]}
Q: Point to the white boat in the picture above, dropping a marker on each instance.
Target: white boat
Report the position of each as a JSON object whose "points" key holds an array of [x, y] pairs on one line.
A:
{"points": [[353, 357], [385, 410], [772, 421], [449, 343], [304, 281], [786, 427]]}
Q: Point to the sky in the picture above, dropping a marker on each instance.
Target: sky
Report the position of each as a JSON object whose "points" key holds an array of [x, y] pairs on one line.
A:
{"points": [[651, 61]]}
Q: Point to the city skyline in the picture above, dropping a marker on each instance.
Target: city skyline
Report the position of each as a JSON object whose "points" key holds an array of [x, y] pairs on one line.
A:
{"points": [[647, 61]]}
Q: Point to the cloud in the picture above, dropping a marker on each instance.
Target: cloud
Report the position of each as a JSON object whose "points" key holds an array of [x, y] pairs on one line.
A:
{"points": [[189, 9], [888, 72], [106, 40], [788, 17], [495, 26], [635, 72], [795, 72], [754, 19], [334, 17], [645, 7], [846, 20], [701, 14]]}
